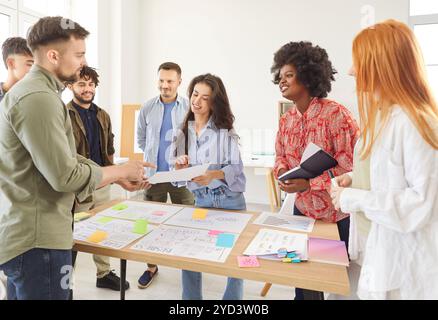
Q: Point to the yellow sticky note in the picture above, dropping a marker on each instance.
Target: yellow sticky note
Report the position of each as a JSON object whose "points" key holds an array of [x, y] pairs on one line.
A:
{"points": [[200, 214], [97, 237], [81, 216]]}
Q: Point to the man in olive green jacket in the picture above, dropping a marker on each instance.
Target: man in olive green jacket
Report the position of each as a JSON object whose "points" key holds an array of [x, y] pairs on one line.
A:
{"points": [[40, 171]]}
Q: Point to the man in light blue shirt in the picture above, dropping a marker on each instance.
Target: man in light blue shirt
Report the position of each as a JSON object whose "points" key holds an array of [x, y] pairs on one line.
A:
{"points": [[159, 121]]}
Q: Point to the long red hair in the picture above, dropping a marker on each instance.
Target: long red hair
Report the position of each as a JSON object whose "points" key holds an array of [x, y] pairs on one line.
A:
{"points": [[390, 71]]}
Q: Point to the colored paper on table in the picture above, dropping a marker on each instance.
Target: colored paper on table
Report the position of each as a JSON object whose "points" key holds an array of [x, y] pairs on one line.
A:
{"points": [[328, 251], [200, 214], [141, 227], [225, 240], [81, 216], [159, 213], [120, 207], [97, 237], [248, 262], [105, 220], [215, 233]]}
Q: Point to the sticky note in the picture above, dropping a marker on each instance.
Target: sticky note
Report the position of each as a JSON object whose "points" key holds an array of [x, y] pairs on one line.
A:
{"points": [[248, 262], [120, 207], [81, 216], [141, 227], [214, 233], [97, 237], [200, 214], [105, 220], [287, 260], [159, 213], [225, 240], [291, 255]]}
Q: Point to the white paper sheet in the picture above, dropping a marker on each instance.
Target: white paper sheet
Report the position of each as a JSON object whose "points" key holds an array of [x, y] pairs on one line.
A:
{"points": [[184, 242], [120, 232], [270, 241], [216, 220], [288, 222], [179, 175], [154, 213], [288, 205]]}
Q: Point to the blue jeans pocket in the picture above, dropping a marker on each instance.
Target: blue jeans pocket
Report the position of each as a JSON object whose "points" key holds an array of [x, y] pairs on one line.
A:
{"points": [[13, 267]]}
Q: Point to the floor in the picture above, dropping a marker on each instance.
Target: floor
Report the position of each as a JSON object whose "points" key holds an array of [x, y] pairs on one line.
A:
{"points": [[167, 285]]}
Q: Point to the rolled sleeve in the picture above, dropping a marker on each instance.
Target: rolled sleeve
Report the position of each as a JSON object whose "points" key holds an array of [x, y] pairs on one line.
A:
{"points": [[352, 199], [94, 182]]}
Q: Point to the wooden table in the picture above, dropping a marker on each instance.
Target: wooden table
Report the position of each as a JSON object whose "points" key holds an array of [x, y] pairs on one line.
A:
{"points": [[309, 275]]}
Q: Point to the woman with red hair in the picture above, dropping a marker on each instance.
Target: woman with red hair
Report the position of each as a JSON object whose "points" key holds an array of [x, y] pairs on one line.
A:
{"points": [[399, 148]]}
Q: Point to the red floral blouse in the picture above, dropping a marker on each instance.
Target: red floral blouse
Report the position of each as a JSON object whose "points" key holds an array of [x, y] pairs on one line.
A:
{"points": [[330, 126]]}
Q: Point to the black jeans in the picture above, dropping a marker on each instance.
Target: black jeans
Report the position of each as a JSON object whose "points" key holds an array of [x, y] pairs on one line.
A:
{"points": [[344, 234]]}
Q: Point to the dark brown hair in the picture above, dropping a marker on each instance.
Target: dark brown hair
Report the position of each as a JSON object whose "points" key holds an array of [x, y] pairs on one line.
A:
{"points": [[50, 30], [170, 66], [15, 45], [89, 73], [221, 113]]}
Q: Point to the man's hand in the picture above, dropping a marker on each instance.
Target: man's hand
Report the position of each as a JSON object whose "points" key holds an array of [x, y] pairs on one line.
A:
{"points": [[208, 177], [134, 186], [134, 170], [294, 186]]}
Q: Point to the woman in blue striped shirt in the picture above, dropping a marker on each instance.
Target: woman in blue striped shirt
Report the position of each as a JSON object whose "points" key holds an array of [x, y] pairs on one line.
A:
{"points": [[209, 137]]}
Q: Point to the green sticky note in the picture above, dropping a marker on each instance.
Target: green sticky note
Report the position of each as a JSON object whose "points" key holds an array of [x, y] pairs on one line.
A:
{"points": [[105, 220], [120, 207], [141, 227]]}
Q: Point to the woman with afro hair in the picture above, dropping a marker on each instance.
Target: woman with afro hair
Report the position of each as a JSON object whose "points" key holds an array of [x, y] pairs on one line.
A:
{"points": [[304, 75]]}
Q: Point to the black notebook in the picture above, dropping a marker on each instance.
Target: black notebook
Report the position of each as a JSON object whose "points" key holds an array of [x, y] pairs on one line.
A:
{"points": [[314, 163]]}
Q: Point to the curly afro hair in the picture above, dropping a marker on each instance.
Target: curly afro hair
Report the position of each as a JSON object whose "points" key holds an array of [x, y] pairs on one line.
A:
{"points": [[314, 69]]}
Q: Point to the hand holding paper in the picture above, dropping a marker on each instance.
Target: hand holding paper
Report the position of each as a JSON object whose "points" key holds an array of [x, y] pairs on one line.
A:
{"points": [[179, 175]]}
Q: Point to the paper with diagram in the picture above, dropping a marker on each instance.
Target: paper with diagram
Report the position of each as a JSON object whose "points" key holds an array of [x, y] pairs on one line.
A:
{"points": [[188, 243], [214, 220], [269, 242], [288, 222], [109, 232], [132, 210]]}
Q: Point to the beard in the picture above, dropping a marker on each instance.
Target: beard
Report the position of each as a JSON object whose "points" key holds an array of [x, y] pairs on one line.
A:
{"points": [[82, 100]]}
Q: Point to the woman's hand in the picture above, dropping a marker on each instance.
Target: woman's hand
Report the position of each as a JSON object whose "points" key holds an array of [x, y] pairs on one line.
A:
{"points": [[294, 186], [182, 163], [344, 181], [208, 177], [336, 193]]}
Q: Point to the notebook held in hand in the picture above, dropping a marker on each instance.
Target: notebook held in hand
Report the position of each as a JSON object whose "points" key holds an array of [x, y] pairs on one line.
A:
{"points": [[314, 163]]}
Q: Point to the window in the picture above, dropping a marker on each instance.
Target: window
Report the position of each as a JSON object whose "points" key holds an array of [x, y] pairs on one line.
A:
{"points": [[17, 16], [424, 21]]}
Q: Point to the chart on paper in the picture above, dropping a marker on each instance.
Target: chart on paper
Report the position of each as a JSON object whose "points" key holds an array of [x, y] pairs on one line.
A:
{"points": [[109, 232], [288, 222], [132, 210], [210, 220], [188, 243]]}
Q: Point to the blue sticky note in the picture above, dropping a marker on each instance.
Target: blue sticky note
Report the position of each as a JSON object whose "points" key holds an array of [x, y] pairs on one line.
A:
{"points": [[225, 240]]}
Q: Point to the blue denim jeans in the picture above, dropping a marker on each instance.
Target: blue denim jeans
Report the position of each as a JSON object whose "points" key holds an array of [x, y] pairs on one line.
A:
{"points": [[39, 274], [220, 198]]}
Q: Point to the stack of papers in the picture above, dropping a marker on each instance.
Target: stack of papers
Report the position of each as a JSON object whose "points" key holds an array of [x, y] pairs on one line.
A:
{"points": [[179, 175], [268, 243]]}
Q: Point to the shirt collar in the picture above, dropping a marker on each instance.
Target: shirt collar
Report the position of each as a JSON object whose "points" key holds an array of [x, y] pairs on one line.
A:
{"points": [[93, 107], [314, 104], [178, 101], [54, 83]]}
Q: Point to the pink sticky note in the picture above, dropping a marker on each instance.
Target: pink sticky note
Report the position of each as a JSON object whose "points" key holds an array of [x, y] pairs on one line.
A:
{"points": [[159, 213], [248, 262], [214, 233]]}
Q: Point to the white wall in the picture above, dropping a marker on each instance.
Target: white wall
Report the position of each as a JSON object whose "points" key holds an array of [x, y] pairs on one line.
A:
{"points": [[235, 39]]}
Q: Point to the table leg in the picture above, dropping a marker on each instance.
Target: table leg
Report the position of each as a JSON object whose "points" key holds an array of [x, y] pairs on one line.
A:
{"points": [[123, 264], [266, 289]]}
